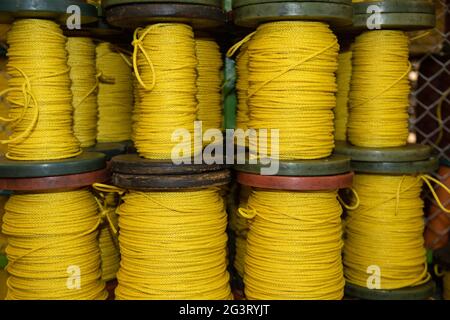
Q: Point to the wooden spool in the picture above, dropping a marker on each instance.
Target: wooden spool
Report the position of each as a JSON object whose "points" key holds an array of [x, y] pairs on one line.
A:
{"points": [[131, 14], [133, 172], [251, 13], [420, 292]]}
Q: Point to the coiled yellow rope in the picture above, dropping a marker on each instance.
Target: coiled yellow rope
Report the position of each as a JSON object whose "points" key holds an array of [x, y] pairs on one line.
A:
{"points": [[108, 241], [294, 245], [209, 83], [173, 246], [81, 61], [166, 67], [39, 93], [386, 231], [292, 86], [115, 95], [379, 90], [48, 233], [343, 77], [239, 225], [242, 116]]}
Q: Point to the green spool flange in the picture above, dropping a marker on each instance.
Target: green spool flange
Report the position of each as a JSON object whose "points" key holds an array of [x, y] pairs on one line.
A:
{"points": [[337, 13], [86, 162], [45, 9], [213, 3], [409, 152], [109, 149], [405, 15], [445, 162], [333, 165], [396, 168], [420, 292], [441, 257]]}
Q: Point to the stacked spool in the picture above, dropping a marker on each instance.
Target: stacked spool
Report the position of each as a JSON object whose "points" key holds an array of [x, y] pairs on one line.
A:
{"points": [[294, 239], [384, 255], [102, 100], [172, 220], [52, 219]]}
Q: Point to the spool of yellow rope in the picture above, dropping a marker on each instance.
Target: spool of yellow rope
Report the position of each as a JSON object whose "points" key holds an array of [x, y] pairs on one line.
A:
{"points": [[292, 86], [84, 88], [293, 246], [166, 68], [386, 231], [343, 77], [39, 93], [379, 90], [53, 244], [108, 241], [242, 116], [115, 95], [173, 246], [209, 83], [239, 225]]}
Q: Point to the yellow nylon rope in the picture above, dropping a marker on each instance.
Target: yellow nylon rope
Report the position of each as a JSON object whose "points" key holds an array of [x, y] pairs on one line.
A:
{"points": [[81, 60], [115, 95], [39, 93], [379, 90], [292, 86], [242, 116], [293, 246], [209, 83], [343, 77], [173, 246], [108, 241], [166, 68], [47, 234], [239, 225], [386, 231]]}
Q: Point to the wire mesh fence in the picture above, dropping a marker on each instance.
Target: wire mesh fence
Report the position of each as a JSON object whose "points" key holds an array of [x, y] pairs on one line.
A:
{"points": [[430, 109]]}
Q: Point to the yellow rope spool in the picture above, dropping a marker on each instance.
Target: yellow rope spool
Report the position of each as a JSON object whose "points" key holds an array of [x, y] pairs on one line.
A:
{"points": [[293, 245], [239, 225], [209, 83], [385, 231], [108, 241], [52, 246], [187, 255], [242, 116], [343, 77], [115, 95], [379, 90], [292, 86], [81, 60], [39, 93], [166, 67]]}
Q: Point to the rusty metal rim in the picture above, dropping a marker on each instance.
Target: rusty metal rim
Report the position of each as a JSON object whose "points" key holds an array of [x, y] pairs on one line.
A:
{"points": [[296, 183], [56, 182]]}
